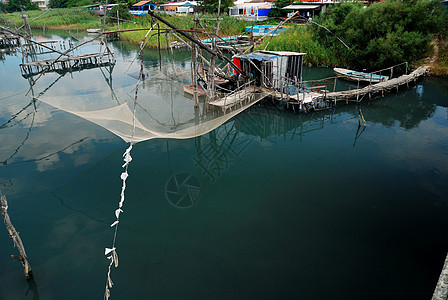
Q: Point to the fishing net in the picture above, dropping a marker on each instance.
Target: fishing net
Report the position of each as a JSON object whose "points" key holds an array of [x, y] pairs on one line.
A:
{"points": [[163, 109]]}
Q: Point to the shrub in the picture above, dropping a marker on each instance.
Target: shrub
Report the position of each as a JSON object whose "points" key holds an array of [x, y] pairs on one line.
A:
{"points": [[384, 34]]}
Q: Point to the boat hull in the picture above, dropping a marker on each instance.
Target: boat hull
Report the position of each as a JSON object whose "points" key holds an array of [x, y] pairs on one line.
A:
{"points": [[359, 76], [189, 89]]}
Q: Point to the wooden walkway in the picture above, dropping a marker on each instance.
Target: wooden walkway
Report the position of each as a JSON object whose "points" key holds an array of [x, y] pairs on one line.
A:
{"points": [[82, 61], [308, 101], [382, 87]]}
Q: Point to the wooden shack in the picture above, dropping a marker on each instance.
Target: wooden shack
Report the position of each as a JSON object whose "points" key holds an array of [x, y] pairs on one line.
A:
{"points": [[141, 8], [272, 69]]}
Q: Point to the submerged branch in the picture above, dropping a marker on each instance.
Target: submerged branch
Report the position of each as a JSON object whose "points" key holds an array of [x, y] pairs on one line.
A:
{"points": [[14, 235]]}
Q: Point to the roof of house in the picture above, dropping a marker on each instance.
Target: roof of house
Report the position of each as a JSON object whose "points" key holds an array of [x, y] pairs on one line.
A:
{"points": [[183, 3], [141, 3], [301, 6]]}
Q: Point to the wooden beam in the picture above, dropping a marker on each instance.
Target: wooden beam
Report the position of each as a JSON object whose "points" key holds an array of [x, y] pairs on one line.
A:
{"points": [[199, 43]]}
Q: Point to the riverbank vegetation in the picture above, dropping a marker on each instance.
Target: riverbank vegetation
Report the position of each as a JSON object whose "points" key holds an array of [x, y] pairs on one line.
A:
{"points": [[63, 18], [82, 19], [346, 34], [228, 26], [301, 38], [17, 5], [439, 61], [382, 35]]}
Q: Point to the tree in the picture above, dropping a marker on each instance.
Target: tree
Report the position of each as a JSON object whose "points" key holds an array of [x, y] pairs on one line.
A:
{"points": [[384, 34], [57, 3], [277, 10], [18, 5], [123, 13], [211, 6], [3, 7]]}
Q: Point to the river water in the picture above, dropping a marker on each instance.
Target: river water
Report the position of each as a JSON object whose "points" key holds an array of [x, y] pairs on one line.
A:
{"points": [[270, 205]]}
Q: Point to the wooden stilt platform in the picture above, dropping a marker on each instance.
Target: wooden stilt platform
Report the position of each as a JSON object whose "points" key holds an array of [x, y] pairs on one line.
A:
{"points": [[82, 61], [249, 94]]}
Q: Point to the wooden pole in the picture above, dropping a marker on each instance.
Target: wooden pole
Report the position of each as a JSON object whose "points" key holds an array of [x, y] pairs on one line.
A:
{"points": [[118, 19], [199, 43], [14, 235]]}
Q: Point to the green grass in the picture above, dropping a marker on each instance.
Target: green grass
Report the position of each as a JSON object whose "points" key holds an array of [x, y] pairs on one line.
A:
{"points": [[82, 19], [63, 18], [300, 38], [228, 26]]}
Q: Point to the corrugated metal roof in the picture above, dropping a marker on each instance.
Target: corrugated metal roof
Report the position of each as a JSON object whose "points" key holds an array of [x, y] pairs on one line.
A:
{"points": [[141, 3], [283, 53], [267, 55], [258, 56]]}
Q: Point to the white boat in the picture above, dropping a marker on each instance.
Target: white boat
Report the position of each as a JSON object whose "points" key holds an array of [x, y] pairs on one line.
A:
{"points": [[93, 30], [359, 76]]}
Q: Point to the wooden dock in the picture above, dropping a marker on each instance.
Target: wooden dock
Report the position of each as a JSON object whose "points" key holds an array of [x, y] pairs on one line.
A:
{"points": [[324, 99], [82, 61], [381, 87]]}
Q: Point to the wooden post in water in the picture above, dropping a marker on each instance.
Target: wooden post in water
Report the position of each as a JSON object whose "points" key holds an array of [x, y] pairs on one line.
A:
{"points": [[118, 19], [14, 235]]}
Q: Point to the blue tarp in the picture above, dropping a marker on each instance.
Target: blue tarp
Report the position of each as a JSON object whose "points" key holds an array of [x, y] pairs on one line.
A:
{"points": [[259, 56], [263, 12]]}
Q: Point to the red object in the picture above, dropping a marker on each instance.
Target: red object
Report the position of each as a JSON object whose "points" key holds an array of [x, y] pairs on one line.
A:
{"points": [[237, 62], [189, 89]]}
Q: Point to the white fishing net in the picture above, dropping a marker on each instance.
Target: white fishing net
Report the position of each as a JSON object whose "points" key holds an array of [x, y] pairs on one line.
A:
{"points": [[163, 109]]}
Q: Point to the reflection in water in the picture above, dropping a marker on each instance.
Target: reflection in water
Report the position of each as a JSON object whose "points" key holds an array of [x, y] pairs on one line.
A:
{"points": [[32, 287], [358, 133], [14, 116], [5, 162], [9, 51], [61, 200], [409, 108], [47, 156], [14, 121], [218, 149], [279, 202]]}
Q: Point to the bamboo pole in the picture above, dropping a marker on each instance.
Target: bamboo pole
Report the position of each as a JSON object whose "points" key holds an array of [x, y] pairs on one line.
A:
{"points": [[14, 235], [200, 44]]}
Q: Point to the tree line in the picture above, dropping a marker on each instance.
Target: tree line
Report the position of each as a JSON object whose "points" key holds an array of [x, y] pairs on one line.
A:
{"points": [[18, 5]]}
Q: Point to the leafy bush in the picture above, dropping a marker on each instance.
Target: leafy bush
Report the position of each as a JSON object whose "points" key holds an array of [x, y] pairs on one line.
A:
{"points": [[300, 38], [18, 5], [123, 13], [384, 34], [211, 6]]}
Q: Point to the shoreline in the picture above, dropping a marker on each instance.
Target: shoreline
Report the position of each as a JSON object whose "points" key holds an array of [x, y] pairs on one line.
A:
{"points": [[436, 62]]}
